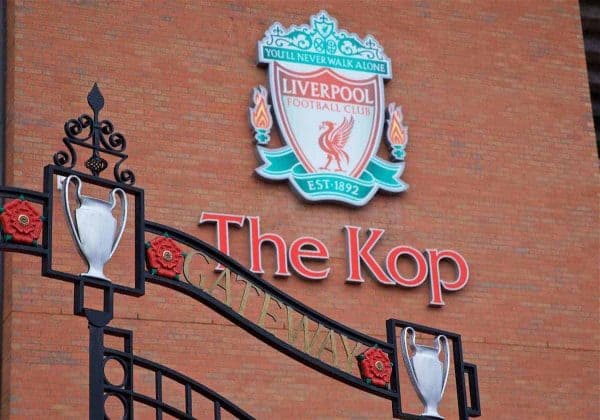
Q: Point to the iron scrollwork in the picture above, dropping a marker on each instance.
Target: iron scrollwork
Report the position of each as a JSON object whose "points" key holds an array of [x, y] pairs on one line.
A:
{"points": [[104, 139]]}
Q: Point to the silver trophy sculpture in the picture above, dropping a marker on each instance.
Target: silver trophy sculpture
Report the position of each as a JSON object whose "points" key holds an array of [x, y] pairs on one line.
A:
{"points": [[427, 373], [94, 227]]}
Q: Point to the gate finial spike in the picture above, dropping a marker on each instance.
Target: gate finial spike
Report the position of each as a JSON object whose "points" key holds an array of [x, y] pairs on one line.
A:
{"points": [[95, 99]]}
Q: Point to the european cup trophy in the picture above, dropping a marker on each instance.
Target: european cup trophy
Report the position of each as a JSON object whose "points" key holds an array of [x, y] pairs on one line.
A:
{"points": [[94, 229], [427, 373]]}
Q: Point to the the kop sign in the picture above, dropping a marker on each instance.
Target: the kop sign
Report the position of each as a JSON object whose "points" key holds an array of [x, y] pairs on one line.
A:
{"points": [[326, 89]]}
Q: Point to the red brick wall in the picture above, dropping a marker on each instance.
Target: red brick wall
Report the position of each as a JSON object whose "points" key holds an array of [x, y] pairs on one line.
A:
{"points": [[501, 163]]}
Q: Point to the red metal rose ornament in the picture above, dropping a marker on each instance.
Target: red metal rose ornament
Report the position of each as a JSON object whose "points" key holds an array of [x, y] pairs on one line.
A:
{"points": [[375, 367], [21, 222], [164, 257]]}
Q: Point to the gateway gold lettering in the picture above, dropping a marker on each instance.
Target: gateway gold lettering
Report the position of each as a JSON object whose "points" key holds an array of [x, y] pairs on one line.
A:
{"points": [[303, 324], [244, 301], [265, 310], [223, 282], [317, 339], [329, 339], [350, 353]]}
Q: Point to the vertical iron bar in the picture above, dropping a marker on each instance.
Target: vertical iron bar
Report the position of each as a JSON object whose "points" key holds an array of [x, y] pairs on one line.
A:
{"points": [[96, 372], [139, 243], [390, 326], [474, 410], [47, 212], [158, 386], [459, 372], [217, 410], [188, 399]]}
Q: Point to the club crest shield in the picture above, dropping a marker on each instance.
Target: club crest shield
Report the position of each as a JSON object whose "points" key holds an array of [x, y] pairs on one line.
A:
{"points": [[327, 96]]}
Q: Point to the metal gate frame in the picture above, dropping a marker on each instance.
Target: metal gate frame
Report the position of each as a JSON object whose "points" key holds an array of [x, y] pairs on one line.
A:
{"points": [[99, 136]]}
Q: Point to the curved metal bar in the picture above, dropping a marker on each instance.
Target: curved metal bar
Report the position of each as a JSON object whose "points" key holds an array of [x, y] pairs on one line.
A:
{"points": [[89, 146], [196, 386], [261, 333], [239, 269], [270, 339]]}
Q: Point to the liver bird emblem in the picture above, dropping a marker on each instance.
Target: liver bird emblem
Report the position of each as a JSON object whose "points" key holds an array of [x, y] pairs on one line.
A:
{"points": [[333, 140]]}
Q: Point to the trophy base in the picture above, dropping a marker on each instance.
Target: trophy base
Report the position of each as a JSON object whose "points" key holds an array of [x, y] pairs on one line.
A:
{"points": [[95, 274], [432, 414]]}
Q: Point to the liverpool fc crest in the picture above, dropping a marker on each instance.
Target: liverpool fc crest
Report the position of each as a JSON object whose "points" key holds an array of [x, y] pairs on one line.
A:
{"points": [[326, 89]]}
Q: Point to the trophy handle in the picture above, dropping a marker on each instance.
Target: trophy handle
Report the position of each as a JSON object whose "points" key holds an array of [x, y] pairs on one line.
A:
{"points": [[123, 200], [67, 207], [446, 350], [406, 356]]}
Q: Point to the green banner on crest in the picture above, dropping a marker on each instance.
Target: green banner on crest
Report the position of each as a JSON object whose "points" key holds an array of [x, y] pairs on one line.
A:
{"points": [[282, 163]]}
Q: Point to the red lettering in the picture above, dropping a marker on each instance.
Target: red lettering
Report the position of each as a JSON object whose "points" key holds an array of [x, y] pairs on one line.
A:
{"points": [[391, 263], [436, 282], [256, 240], [305, 249], [222, 221], [318, 252], [356, 254]]}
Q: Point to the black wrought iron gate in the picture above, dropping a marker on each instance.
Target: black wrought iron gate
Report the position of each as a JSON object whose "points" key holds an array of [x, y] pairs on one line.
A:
{"points": [[160, 259]]}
